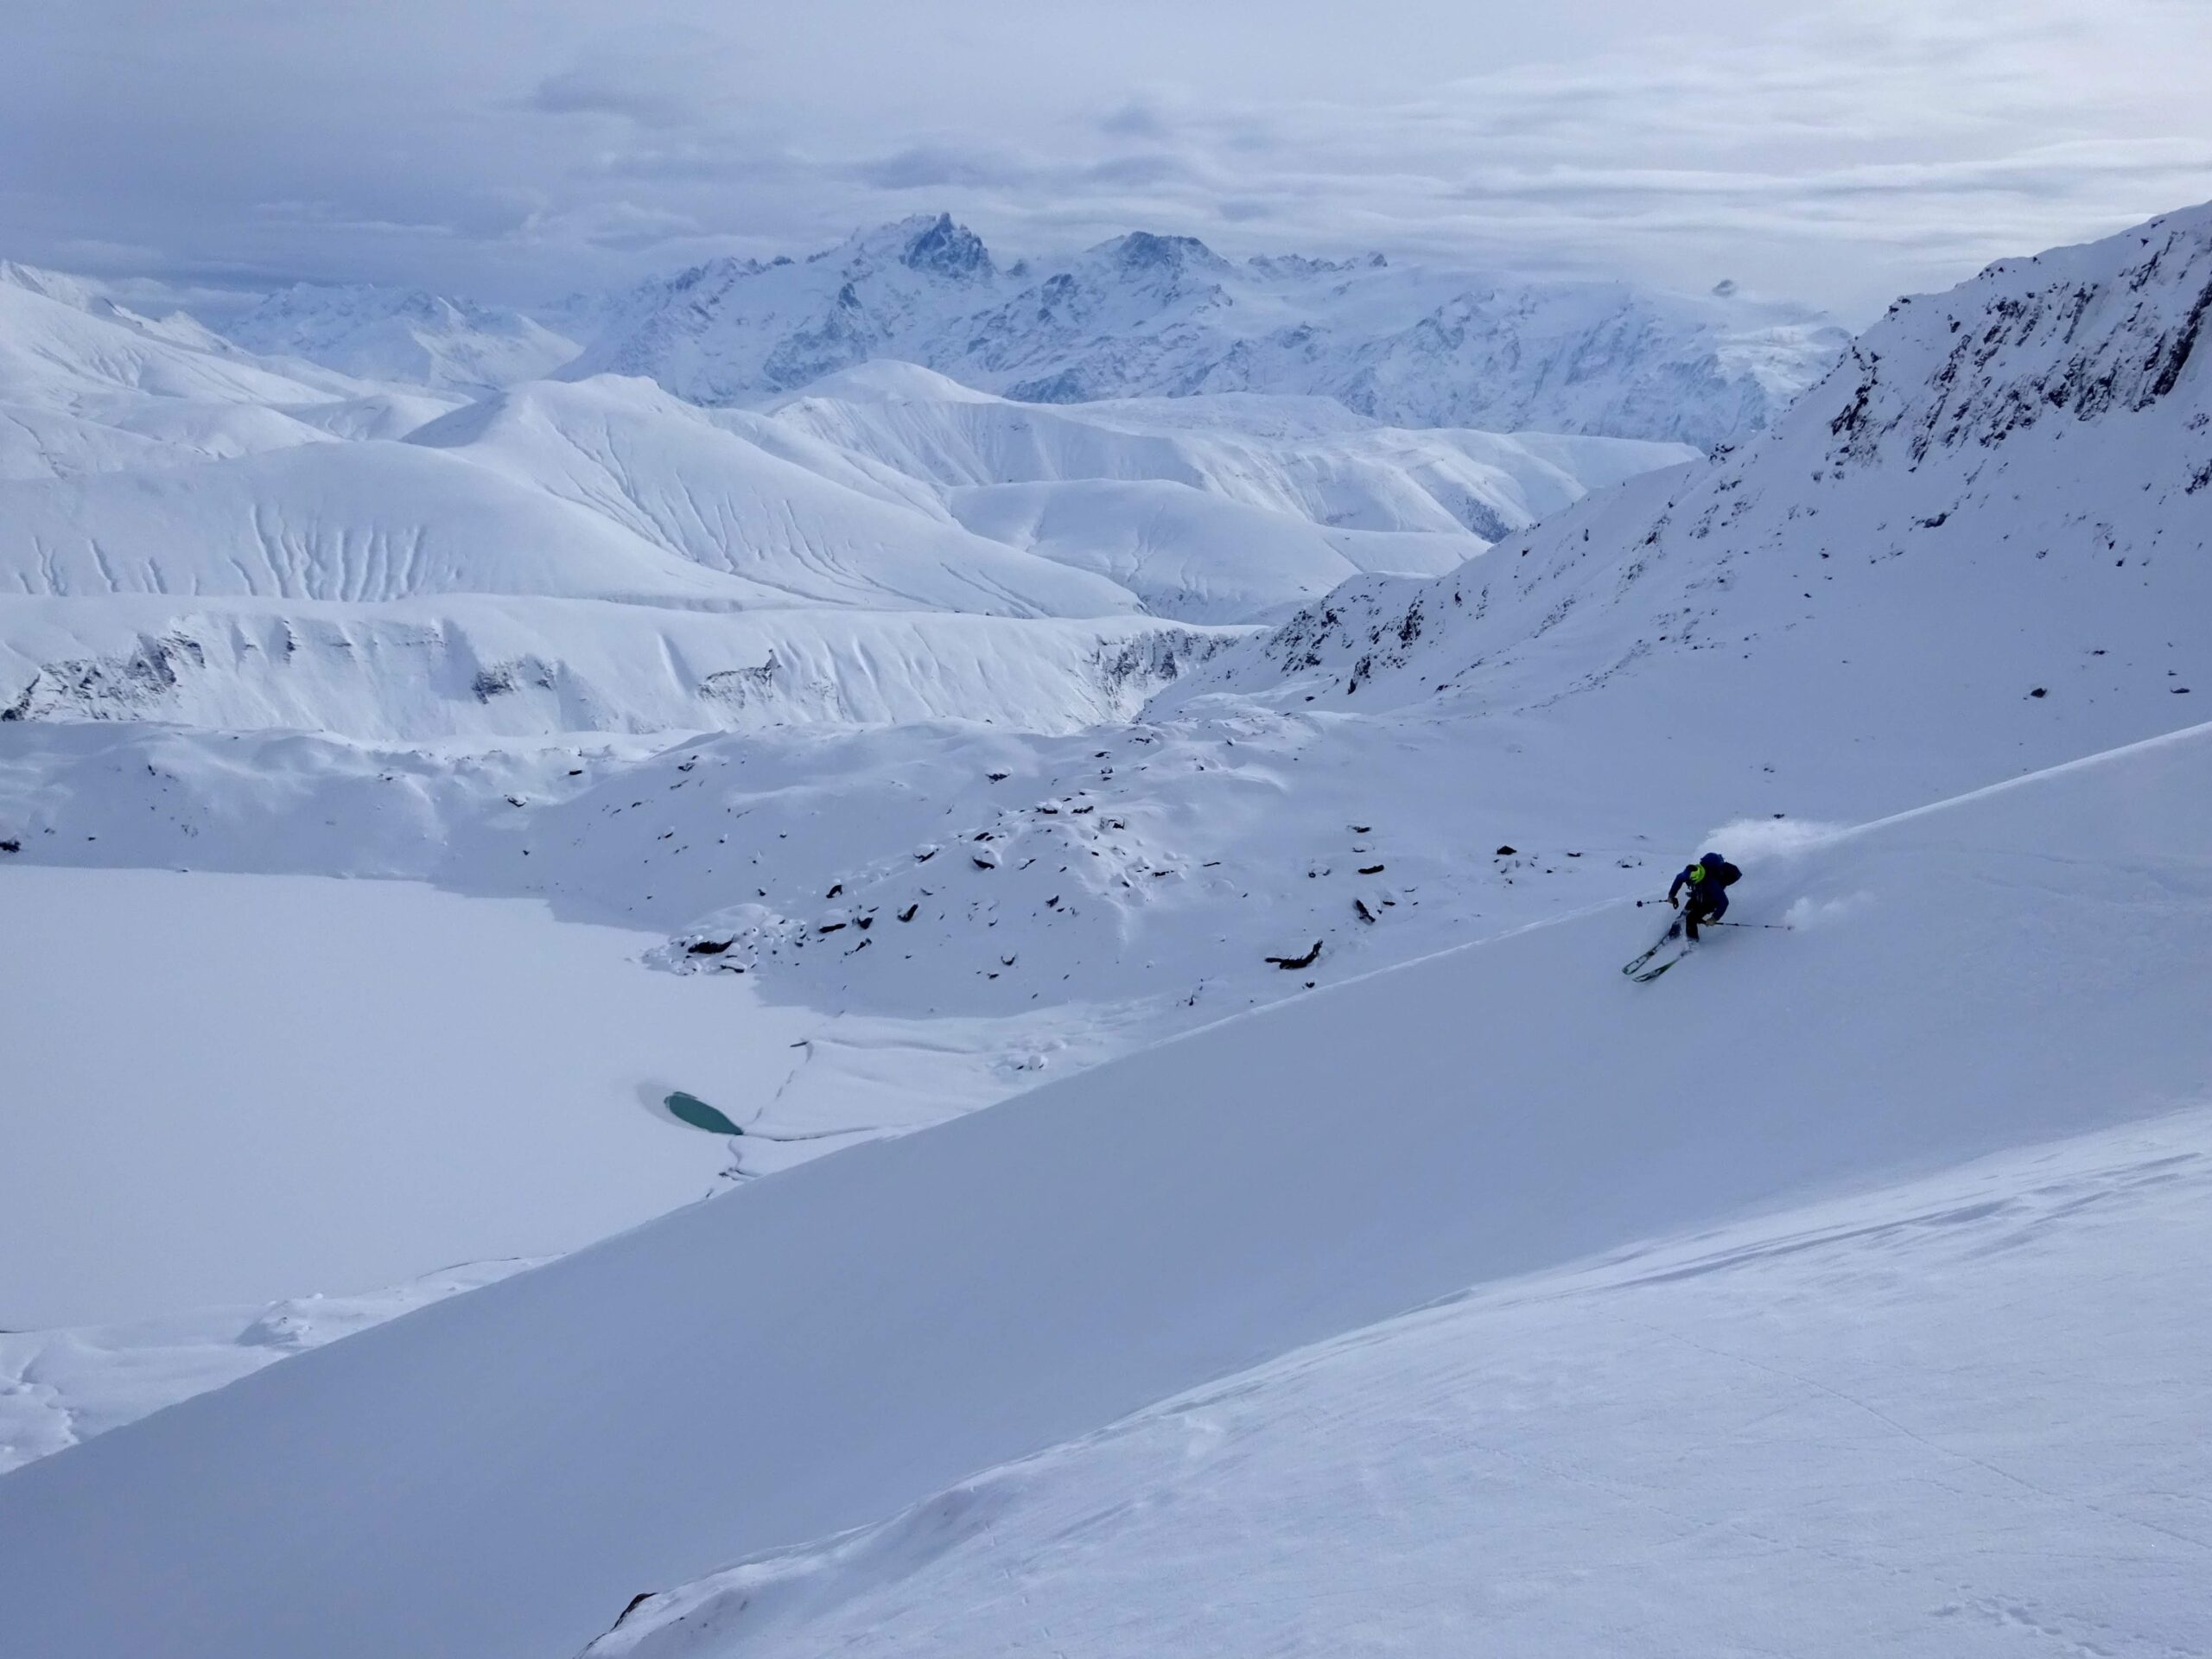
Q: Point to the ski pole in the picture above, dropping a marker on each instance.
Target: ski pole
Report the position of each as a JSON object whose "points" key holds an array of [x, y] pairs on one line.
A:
{"points": [[1779, 927]]}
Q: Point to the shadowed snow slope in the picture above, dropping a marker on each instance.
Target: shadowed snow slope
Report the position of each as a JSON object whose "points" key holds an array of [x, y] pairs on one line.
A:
{"points": [[496, 1475]]}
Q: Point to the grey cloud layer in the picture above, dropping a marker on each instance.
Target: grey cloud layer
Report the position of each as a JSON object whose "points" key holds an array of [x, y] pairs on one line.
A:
{"points": [[1843, 151]]}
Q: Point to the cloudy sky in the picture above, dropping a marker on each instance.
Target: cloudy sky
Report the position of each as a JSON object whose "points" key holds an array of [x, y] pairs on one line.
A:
{"points": [[1839, 151]]}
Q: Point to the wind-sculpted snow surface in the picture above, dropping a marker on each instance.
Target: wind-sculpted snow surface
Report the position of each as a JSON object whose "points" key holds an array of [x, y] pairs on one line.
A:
{"points": [[823, 1350], [1147, 315]]}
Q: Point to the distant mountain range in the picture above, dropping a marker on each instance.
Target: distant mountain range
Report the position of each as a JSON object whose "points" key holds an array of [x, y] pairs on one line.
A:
{"points": [[1141, 315]]}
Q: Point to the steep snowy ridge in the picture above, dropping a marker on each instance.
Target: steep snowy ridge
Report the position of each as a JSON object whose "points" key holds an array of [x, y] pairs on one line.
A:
{"points": [[1177, 1217], [1994, 511], [1159, 316]]}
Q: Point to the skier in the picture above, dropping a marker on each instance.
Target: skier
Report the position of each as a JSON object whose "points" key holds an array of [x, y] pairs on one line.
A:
{"points": [[1708, 881]]}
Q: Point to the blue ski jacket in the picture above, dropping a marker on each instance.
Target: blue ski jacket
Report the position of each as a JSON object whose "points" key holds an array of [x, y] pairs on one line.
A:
{"points": [[1708, 881]]}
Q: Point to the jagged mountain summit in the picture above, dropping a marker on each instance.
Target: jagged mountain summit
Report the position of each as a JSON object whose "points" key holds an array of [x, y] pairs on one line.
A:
{"points": [[1151, 315]]}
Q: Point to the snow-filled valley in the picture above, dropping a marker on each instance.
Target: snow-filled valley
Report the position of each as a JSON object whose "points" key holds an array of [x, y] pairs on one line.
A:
{"points": [[1140, 840]]}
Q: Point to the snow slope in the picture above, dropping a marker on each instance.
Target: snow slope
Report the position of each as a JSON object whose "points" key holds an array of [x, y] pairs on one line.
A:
{"points": [[1958, 1416], [88, 386], [1146, 316], [1271, 453], [819, 1352]]}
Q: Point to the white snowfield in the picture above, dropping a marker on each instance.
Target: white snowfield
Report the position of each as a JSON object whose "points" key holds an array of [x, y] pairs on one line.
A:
{"points": [[820, 1352]]}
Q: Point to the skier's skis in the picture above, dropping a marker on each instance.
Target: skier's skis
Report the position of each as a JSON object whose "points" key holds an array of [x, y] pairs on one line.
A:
{"points": [[1650, 974], [1634, 969]]}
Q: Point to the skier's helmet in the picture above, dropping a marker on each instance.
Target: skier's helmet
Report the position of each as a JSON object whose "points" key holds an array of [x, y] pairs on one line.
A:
{"points": [[1713, 859]]}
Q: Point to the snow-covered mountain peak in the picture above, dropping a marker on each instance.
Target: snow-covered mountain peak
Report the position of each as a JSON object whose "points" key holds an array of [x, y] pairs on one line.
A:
{"points": [[1151, 314], [945, 248], [1145, 251]]}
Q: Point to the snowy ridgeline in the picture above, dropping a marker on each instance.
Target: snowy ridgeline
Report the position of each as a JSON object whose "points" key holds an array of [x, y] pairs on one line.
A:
{"points": [[1016, 1282], [1139, 316]]}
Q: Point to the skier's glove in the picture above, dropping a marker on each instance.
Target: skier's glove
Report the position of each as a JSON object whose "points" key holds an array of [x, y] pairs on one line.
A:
{"points": [[1673, 903]]}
